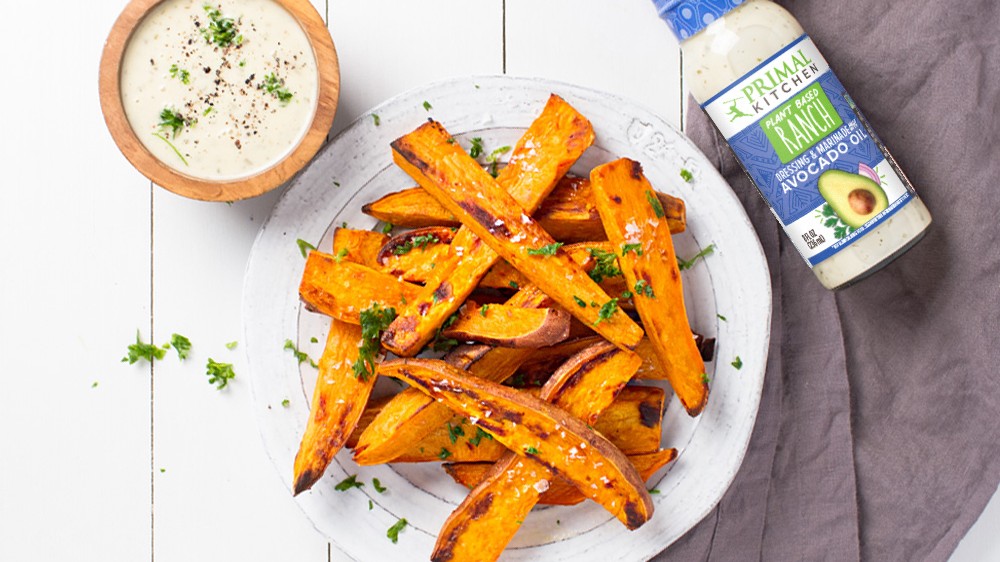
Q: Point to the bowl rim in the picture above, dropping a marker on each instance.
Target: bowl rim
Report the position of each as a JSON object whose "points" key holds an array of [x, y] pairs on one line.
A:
{"points": [[328, 76]]}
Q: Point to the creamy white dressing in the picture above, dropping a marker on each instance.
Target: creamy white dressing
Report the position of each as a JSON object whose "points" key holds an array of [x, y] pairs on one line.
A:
{"points": [[227, 99], [737, 43]]}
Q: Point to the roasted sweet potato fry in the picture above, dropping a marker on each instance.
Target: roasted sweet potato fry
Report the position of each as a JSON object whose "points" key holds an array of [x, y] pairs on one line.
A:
{"points": [[631, 422], [485, 208], [413, 255], [536, 431], [509, 326], [568, 213], [560, 492], [342, 289], [540, 158], [361, 246], [634, 218]]}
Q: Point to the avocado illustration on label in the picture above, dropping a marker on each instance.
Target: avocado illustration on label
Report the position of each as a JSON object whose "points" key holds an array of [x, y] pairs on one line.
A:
{"points": [[855, 198]]}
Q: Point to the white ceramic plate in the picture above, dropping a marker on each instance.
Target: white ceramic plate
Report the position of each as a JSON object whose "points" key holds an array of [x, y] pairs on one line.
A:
{"points": [[733, 282]]}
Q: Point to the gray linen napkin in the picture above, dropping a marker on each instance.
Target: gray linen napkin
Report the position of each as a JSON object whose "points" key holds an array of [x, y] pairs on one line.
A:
{"points": [[878, 436]]}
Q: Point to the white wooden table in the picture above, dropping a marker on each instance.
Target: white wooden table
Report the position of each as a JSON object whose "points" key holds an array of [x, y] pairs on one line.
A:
{"points": [[104, 461]]}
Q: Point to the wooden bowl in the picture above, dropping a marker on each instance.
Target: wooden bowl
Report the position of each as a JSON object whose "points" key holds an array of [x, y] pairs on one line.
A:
{"points": [[328, 78]]}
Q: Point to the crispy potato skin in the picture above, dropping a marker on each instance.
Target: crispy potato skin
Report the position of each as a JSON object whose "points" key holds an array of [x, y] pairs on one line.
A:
{"points": [[540, 158], [625, 201]]}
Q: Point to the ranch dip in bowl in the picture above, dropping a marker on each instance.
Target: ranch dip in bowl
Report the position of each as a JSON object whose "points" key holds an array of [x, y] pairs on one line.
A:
{"points": [[219, 100]]}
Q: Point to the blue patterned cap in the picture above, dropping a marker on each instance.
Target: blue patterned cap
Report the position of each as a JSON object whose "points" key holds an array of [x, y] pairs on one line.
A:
{"points": [[687, 17]]}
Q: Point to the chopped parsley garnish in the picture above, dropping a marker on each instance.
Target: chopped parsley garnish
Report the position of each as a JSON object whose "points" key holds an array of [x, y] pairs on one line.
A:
{"points": [[173, 120], [219, 374], [440, 342], [341, 254], [686, 175], [480, 434], [531, 450], [174, 148], [607, 265], [579, 302], [483, 309], [276, 87], [378, 486], [374, 319], [477, 147], [738, 363], [445, 453], [393, 532], [94, 385], [221, 30], [683, 264], [721, 317], [546, 250], [454, 432], [348, 483], [704, 378], [513, 285], [208, 110], [286, 403], [493, 161], [183, 75], [654, 202], [420, 241], [637, 248], [301, 356], [626, 294], [376, 119], [607, 311], [304, 246], [427, 105], [140, 350], [370, 505], [181, 345], [642, 287], [654, 491], [387, 228], [232, 345]]}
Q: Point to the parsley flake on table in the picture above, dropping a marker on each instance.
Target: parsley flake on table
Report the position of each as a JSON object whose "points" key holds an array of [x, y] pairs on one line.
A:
{"points": [[686, 175], [654, 491], [378, 486], [654, 202], [348, 483], [221, 30], [370, 505], [721, 317], [683, 264], [376, 119], [427, 105], [232, 345], [276, 87], [738, 363], [94, 385], [301, 356], [219, 374], [546, 250], [607, 310], [374, 320], [304, 246], [393, 532], [140, 350], [181, 345], [607, 265]]}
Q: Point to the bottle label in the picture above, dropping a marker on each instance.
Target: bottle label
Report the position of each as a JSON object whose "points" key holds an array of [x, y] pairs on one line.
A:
{"points": [[809, 150]]}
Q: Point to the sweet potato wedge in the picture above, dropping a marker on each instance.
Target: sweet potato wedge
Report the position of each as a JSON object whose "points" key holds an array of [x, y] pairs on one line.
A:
{"points": [[509, 326], [413, 255], [632, 215], [499, 221], [628, 423], [536, 431], [482, 525], [361, 246], [337, 404], [560, 492], [568, 213], [540, 158], [412, 208], [342, 289]]}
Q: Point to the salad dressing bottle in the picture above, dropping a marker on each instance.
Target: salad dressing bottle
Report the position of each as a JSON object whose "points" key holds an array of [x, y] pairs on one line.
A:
{"points": [[840, 196]]}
